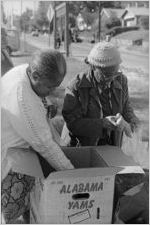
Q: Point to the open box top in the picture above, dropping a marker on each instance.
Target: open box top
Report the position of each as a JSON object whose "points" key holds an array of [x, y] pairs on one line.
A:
{"points": [[110, 159]]}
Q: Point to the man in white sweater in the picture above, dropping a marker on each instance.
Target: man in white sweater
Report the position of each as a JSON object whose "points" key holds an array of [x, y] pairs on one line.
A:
{"points": [[26, 122]]}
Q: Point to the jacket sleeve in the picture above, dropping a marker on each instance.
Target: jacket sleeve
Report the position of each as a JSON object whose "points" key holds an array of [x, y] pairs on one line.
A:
{"points": [[72, 112], [28, 118], [128, 112]]}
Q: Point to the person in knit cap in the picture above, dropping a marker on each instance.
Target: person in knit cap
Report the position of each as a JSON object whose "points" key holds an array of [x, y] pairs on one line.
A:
{"points": [[97, 107]]}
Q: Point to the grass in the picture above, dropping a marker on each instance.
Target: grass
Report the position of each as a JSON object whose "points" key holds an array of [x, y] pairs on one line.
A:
{"points": [[134, 35], [138, 48]]}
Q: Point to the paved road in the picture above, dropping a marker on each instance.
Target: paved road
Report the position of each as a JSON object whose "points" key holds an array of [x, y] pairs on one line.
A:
{"points": [[80, 50]]}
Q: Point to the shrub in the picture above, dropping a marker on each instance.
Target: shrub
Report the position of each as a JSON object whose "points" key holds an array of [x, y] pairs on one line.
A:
{"points": [[118, 30], [144, 22], [112, 22]]}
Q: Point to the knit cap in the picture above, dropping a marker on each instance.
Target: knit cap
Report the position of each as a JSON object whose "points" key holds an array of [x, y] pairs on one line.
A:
{"points": [[104, 54]]}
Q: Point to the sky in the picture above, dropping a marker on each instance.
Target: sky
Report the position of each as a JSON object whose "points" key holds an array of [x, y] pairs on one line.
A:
{"points": [[14, 6]]}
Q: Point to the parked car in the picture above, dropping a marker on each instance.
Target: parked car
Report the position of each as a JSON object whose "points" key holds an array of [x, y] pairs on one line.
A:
{"points": [[13, 39], [35, 33]]}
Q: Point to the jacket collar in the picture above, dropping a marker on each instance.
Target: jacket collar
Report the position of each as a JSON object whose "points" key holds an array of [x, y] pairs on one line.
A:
{"points": [[85, 81]]}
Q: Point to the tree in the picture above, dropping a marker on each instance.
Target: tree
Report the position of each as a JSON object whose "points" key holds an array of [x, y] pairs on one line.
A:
{"points": [[74, 9], [3, 17], [89, 17], [72, 20], [92, 6], [40, 19], [41, 15], [25, 20], [112, 22], [144, 22], [118, 4]]}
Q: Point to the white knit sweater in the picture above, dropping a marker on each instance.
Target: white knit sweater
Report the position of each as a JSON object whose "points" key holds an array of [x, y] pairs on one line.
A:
{"points": [[24, 121]]}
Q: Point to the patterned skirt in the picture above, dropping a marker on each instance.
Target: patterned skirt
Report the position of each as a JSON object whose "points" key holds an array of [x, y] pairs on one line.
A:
{"points": [[15, 195]]}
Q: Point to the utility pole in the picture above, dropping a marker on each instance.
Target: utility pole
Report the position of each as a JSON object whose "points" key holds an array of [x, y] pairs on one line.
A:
{"points": [[50, 15], [49, 39], [34, 8], [66, 30], [24, 35], [99, 20], [21, 10], [12, 17], [54, 25]]}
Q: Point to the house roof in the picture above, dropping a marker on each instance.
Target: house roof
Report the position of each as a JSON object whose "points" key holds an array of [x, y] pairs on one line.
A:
{"points": [[111, 12], [137, 11]]}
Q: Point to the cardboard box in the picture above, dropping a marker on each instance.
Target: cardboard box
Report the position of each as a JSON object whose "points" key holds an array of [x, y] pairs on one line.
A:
{"points": [[76, 196], [82, 195]]}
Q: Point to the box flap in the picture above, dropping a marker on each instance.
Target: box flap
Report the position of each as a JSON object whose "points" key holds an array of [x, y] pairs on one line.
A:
{"points": [[80, 157], [131, 169], [87, 172], [25, 161], [114, 156]]}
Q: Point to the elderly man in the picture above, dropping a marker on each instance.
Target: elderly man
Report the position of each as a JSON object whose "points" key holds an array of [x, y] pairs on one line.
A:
{"points": [[97, 107], [26, 123]]}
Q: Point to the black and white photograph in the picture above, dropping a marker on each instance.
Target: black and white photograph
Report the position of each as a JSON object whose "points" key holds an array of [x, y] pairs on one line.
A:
{"points": [[74, 112]]}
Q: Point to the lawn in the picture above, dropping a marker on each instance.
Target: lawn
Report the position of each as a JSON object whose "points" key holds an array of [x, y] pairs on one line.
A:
{"points": [[134, 35]]}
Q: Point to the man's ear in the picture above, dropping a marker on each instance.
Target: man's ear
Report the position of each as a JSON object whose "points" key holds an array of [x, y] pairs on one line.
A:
{"points": [[35, 76]]}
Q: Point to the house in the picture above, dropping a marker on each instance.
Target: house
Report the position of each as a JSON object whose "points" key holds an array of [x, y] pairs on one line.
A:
{"points": [[135, 4], [109, 13], [112, 12], [132, 15]]}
